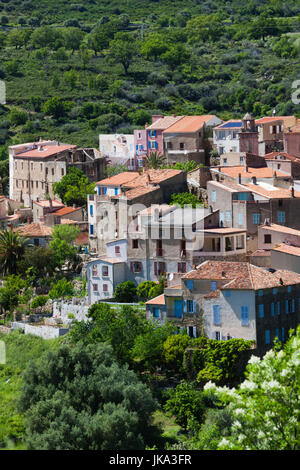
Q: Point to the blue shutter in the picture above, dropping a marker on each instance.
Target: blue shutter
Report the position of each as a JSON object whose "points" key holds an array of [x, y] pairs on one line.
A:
{"points": [[105, 190], [149, 144], [293, 305], [91, 210], [261, 310], [278, 307], [267, 336], [190, 284], [91, 229], [99, 190], [245, 316], [155, 144], [142, 147], [272, 309], [213, 285], [194, 332], [217, 317], [194, 306], [185, 306], [286, 306], [136, 147], [116, 191]]}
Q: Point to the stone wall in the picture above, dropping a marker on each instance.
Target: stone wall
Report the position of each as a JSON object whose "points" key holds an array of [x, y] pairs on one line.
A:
{"points": [[77, 307], [43, 331]]}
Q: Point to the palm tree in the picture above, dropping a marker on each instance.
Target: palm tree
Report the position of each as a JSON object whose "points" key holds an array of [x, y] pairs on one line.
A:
{"points": [[155, 160], [12, 248]]}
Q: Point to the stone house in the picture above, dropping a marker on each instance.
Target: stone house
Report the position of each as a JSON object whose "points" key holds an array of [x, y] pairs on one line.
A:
{"points": [[34, 168], [118, 149], [226, 300], [188, 139]]}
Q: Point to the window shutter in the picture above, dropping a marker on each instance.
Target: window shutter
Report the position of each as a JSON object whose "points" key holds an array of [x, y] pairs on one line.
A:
{"points": [[131, 267], [155, 268], [194, 306], [213, 335], [278, 307], [155, 144], [271, 129], [286, 306], [272, 309], [293, 305], [185, 306], [136, 147], [194, 332], [142, 147], [149, 144]]}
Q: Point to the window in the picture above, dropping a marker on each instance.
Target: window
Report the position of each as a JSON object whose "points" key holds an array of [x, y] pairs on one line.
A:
{"points": [[261, 310], [104, 190], [181, 145], [156, 312], [104, 271], [152, 144], [228, 216], [91, 229], [256, 219], [182, 267], [94, 271], [105, 287], [190, 284], [260, 292], [116, 191], [274, 291], [62, 172], [281, 217], [37, 184], [268, 238], [289, 288], [95, 287], [31, 166], [191, 306], [117, 250], [136, 267], [217, 335], [241, 219], [221, 219], [213, 285], [227, 293], [52, 171], [245, 316], [91, 210], [36, 242], [241, 160], [213, 196], [224, 161], [217, 315], [267, 337], [135, 244]]}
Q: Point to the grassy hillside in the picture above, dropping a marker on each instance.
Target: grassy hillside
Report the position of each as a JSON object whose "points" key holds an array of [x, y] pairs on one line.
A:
{"points": [[183, 57], [20, 349]]}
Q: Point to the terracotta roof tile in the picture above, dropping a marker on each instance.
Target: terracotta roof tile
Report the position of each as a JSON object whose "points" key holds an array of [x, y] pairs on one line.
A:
{"points": [[274, 155], [189, 124], [242, 275], [118, 180], [275, 193], [66, 210], [136, 192], [281, 228], [36, 229], [164, 122], [264, 172], [288, 249], [152, 177], [159, 300], [46, 151]]}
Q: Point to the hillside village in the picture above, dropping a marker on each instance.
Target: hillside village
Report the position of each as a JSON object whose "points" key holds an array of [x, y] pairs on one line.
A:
{"points": [[230, 265], [190, 222]]}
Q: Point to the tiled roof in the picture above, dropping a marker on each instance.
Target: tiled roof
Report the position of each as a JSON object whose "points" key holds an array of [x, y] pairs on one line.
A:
{"points": [[288, 249], [46, 151], [242, 275], [248, 172], [281, 228], [152, 177], [261, 253], [66, 210], [136, 192], [164, 122], [111, 260], [46, 203], [36, 229], [118, 180], [274, 193], [82, 239], [223, 230], [274, 155], [189, 124], [231, 186], [266, 119], [159, 300]]}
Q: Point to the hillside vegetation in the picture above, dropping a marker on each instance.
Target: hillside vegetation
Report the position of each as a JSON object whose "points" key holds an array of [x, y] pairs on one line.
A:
{"points": [[73, 70]]}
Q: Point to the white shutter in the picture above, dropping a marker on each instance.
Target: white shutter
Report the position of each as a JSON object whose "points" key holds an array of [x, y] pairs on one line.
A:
{"points": [[194, 332]]}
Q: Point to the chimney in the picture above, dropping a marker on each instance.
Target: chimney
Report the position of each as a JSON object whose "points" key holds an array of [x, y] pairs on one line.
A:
{"points": [[240, 178], [254, 181], [292, 191], [50, 204]]}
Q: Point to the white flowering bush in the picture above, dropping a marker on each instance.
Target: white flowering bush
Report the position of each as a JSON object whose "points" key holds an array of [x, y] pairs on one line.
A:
{"points": [[266, 406]]}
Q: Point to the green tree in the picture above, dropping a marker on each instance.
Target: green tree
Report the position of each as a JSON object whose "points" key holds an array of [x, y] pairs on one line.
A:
{"points": [[143, 290], [176, 55], [123, 49], [12, 248], [174, 349], [74, 187], [72, 38], [17, 117], [15, 290], [154, 46], [266, 405], [61, 289], [85, 400], [98, 40], [70, 78], [186, 403], [62, 245], [125, 292], [184, 199], [55, 107]]}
